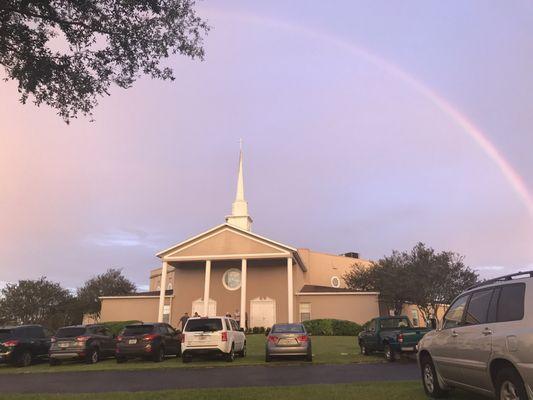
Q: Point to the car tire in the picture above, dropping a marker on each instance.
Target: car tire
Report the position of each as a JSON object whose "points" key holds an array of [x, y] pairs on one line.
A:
{"points": [[509, 385], [93, 356], [430, 381], [230, 357], [121, 360], [242, 353], [364, 349], [159, 354], [23, 359], [388, 351], [53, 362], [309, 356], [268, 358]]}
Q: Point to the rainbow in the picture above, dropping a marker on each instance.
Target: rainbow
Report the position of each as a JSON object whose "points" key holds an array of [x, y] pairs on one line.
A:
{"points": [[510, 174]]}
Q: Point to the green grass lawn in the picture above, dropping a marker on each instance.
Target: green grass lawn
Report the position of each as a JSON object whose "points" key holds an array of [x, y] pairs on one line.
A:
{"points": [[367, 391], [326, 350]]}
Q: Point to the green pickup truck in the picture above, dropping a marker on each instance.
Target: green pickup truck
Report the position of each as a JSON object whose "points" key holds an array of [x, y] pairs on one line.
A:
{"points": [[390, 335]]}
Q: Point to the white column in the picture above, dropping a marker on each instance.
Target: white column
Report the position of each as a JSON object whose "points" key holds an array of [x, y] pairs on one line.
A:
{"points": [[243, 293], [207, 282], [290, 290], [162, 291]]}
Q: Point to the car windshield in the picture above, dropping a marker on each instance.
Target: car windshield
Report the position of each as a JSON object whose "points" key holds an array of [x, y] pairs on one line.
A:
{"points": [[133, 330], [394, 323], [288, 328], [5, 334], [70, 332], [204, 325]]}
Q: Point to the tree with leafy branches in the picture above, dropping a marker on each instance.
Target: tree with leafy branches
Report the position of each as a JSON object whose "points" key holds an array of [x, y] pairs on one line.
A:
{"points": [[68, 53]]}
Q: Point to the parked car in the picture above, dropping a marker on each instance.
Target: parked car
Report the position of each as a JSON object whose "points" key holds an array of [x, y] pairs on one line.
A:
{"points": [[288, 340], [20, 345], [89, 343], [485, 342], [390, 335], [150, 341], [220, 336]]}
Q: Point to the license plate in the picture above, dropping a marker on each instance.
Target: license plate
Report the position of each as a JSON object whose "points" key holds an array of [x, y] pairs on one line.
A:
{"points": [[63, 345], [132, 341], [286, 341]]}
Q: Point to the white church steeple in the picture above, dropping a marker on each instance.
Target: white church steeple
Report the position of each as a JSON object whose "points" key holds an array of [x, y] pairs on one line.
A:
{"points": [[239, 210]]}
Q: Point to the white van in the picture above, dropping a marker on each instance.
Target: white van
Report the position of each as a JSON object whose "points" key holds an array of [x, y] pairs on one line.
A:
{"points": [[206, 336]]}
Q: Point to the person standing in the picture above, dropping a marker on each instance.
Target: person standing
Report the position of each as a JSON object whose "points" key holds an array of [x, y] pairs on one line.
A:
{"points": [[238, 317], [183, 320]]}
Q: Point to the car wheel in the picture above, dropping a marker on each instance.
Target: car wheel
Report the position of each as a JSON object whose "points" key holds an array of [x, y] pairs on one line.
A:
{"points": [[24, 359], [93, 356], [242, 353], [389, 353], [53, 362], [230, 357], [159, 354], [309, 356], [364, 349], [509, 385], [430, 380], [268, 358]]}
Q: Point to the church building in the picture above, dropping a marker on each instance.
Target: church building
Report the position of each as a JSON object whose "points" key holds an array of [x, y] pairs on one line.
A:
{"points": [[231, 269]]}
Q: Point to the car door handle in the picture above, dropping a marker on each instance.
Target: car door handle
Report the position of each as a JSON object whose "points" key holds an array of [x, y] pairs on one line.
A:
{"points": [[487, 332], [454, 334]]}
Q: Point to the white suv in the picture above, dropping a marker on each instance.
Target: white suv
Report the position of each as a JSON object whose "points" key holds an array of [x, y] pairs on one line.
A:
{"points": [[212, 336], [485, 343]]}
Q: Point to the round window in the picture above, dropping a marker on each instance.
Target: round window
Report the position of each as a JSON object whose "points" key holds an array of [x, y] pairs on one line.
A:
{"points": [[335, 281], [232, 279]]}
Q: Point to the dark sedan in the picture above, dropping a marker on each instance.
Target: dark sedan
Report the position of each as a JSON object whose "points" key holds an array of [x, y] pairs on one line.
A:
{"points": [[150, 341], [288, 340]]}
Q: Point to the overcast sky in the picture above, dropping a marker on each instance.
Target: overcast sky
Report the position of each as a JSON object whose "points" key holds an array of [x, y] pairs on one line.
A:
{"points": [[342, 152]]}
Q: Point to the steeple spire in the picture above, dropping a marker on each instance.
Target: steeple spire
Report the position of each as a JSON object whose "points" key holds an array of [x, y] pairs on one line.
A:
{"points": [[239, 210]]}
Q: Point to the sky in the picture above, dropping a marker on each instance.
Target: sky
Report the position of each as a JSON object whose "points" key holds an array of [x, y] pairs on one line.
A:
{"points": [[353, 121]]}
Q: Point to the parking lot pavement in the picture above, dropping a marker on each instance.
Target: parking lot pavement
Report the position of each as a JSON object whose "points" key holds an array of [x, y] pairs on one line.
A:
{"points": [[191, 378]]}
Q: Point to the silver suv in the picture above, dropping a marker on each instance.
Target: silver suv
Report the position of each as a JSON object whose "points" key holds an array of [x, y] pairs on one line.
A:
{"points": [[484, 343]]}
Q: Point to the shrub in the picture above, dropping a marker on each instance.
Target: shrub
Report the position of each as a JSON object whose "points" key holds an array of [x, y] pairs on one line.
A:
{"points": [[332, 327], [116, 326]]}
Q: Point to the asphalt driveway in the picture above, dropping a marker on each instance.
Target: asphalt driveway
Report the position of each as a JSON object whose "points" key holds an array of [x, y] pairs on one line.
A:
{"points": [[216, 377]]}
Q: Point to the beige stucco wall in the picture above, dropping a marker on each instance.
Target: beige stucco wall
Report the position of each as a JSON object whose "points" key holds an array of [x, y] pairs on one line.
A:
{"points": [[358, 308], [127, 309]]}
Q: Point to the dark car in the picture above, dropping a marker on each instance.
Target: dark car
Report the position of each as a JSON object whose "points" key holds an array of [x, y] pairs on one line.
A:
{"points": [[391, 335], [288, 340], [150, 341], [20, 345], [89, 343]]}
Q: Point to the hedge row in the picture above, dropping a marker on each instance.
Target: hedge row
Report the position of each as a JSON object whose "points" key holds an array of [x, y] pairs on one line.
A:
{"points": [[116, 326], [332, 327]]}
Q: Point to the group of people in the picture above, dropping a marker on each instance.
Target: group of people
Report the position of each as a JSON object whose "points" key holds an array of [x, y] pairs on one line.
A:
{"points": [[185, 317]]}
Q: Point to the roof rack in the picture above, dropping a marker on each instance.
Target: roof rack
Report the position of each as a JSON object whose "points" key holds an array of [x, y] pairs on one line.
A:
{"points": [[502, 279]]}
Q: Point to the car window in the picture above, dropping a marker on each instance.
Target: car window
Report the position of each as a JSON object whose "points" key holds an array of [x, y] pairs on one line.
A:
{"points": [[70, 332], [478, 307], [5, 334], [235, 325], [133, 330], [454, 316], [21, 333], [394, 323], [228, 326], [106, 331], [288, 328], [511, 302], [203, 325]]}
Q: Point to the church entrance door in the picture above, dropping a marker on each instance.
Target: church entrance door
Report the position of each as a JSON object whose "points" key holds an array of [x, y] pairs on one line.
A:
{"points": [[198, 306], [262, 312]]}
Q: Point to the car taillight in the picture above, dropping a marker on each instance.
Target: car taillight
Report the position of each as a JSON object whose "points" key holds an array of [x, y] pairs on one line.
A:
{"points": [[53, 339], [82, 339], [224, 336], [303, 338], [400, 338], [120, 338], [11, 343], [273, 339], [150, 337]]}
